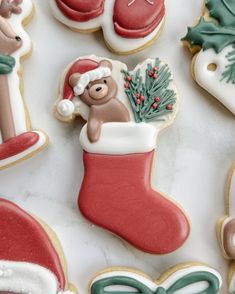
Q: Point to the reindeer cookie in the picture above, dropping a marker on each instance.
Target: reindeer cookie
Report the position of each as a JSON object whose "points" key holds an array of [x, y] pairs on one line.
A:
{"points": [[212, 42], [31, 258], [128, 25], [124, 111], [226, 229], [18, 141], [192, 278]]}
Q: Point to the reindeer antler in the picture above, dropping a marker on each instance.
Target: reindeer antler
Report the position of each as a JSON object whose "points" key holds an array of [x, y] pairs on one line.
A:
{"points": [[7, 7]]}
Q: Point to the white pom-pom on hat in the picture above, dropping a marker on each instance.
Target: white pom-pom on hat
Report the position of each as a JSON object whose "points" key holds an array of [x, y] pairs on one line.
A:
{"points": [[65, 107]]}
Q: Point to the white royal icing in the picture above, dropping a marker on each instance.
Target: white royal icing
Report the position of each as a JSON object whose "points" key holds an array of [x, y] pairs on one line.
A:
{"points": [[212, 80], [27, 278], [90, 76], [66, 108], [106, 22], [17, 103], [194, 288], [121, 138]]}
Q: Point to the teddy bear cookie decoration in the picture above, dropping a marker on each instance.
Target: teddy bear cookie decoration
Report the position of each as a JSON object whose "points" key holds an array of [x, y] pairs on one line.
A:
{"points": [[124, 111], [18, 141]]}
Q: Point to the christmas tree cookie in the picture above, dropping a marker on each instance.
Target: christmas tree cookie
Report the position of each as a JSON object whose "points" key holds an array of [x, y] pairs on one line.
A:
{"points": [[31, 258], [125, 111], [212, 41], [192, 278], [128, 26], [17, 141]]}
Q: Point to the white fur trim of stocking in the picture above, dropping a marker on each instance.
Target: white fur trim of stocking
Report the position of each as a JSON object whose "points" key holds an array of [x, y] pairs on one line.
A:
{"points": [[90, 76], [65, 108], [23, 277], [121, 138]]}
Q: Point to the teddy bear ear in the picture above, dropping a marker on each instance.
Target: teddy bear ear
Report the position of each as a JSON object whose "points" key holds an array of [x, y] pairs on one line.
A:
{"points": [[106, 63], [74, 79]]}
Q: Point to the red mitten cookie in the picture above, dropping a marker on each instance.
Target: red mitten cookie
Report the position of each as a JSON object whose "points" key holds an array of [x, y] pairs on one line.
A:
{"points": [[125, 112], [17, 140], [128, 25], [31, 259]]}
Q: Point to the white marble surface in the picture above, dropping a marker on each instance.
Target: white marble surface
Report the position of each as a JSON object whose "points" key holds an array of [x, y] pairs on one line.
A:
{"points": [[194, 155]]}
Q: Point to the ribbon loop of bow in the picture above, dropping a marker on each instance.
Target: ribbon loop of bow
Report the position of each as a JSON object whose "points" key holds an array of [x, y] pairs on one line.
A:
{"points": [[189, 279]]}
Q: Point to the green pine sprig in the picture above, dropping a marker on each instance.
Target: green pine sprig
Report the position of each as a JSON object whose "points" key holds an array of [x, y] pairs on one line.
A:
{"points": [[149, 96], [229, 73]]}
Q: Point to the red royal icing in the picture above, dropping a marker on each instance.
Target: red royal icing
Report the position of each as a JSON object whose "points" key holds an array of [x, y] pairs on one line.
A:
{"points": [[23, 239], [116, 194], [80, 66], [18, 144], [139, 19], [80, 10]]}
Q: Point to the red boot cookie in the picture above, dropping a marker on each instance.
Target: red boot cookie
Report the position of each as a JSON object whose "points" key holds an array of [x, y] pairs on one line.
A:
{"points": [[29, 258], [77, 11], [17, 141], [124, 112], [144, 16], [128, 25]]}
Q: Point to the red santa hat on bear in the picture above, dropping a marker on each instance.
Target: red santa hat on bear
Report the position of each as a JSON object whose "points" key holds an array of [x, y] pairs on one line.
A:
{"points": [[29, 262], [89, 71]]}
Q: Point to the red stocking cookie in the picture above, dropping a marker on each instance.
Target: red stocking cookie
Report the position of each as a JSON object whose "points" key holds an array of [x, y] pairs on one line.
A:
{"points": [[31, 260], [128, 25], [17, 140], [125, 112]]}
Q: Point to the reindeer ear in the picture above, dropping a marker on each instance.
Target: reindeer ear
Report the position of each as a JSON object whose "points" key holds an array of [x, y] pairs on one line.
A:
{"points": [[74, 79], [106, 63]]}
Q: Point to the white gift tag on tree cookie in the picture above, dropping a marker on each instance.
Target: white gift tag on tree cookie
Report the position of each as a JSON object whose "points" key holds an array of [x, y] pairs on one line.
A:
{"points": [[213, 39]]}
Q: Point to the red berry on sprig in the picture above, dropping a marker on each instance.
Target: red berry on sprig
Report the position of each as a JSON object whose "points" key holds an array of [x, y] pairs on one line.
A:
{"points": [[155, 106], [126, 85], [169, 107], [151, 73], [129, 78], [157, 99], [142, 98], [155, 76], [155, 68], [138, 101], [137, 95]]}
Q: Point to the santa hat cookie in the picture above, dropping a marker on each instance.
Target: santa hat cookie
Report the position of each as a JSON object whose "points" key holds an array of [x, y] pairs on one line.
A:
{"points": [[29, 262]]}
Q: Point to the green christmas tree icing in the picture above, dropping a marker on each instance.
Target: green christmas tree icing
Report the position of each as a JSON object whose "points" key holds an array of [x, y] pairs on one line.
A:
{"points": [[149, 96], [216, 34]]}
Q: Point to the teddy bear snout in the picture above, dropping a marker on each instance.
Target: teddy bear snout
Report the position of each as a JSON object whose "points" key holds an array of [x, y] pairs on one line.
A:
{"points": [[98, 91]]}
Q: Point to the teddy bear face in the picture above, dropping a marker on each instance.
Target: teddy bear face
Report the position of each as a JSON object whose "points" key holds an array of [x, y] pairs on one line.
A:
{"points": [[99, 91]]}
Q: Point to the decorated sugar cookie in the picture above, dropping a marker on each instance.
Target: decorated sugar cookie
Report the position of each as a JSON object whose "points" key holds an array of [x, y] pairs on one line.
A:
{"points": [[226, 229], [212, 40], [125, 110], [17, 140], [31, 259], [191, 278], [128, 25]]}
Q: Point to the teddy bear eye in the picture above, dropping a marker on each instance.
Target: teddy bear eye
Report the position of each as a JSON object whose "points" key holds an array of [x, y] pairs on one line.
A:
{"points": [[105, 81]]}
